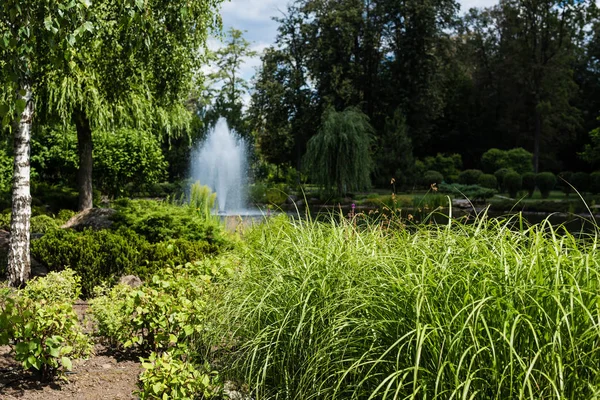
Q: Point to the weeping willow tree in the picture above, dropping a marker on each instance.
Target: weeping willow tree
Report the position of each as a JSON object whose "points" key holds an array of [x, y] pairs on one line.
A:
{"points": [[338, 156]]}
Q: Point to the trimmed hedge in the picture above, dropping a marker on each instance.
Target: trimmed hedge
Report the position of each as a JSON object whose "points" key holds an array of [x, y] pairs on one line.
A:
{"points": [[545, 181], [469, 177], [529, 183], [512, 183]]}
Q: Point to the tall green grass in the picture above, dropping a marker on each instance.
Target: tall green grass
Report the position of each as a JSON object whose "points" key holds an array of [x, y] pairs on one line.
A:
{"points": [[480, 311]]}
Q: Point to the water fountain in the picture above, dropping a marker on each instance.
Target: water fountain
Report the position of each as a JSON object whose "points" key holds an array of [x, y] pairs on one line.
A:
{"points": [[221, 163]]}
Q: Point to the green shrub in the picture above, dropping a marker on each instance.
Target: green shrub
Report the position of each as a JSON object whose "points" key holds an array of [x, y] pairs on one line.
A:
{"points": [[581, 181], [160, 220], [565, 183], [432, 177], [529, 183], [517, 159], [173, 376], [545, 181], [488, 181], [469, 177], [512, 183], [6, 171], [595, 182], [499, 174], [447, 165], [54, 197], [97, 256], [39, 323], [471, 192], [43, 224]]}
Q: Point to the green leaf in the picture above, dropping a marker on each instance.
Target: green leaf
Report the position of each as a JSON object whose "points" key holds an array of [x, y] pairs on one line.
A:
{"points": [[157, 387], [4, 110], [86, 3], [34, 362], [66, 362], [139, 4], [48, 23], [20, 104]]}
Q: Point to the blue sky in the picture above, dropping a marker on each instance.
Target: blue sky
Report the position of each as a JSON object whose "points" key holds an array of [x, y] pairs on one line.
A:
{"points": [[254, 17]]}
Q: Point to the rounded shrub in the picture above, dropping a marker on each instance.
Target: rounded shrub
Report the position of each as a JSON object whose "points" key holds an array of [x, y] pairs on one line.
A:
{"points": [[469, 177], [512, 183], [499, 174], [529, 183], [488, 181], [581, 181], [595, 182], [565, 183], [545, 181], [431, 177]]}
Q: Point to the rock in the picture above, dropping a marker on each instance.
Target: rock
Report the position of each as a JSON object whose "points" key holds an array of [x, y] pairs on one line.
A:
{"points": [[95, 218], [233, 393], [131, 280], [291, 199], [37, 268]]}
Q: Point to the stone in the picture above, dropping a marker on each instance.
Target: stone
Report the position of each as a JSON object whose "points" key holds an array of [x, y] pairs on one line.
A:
{"points": [[95, 218], [131, 280]]}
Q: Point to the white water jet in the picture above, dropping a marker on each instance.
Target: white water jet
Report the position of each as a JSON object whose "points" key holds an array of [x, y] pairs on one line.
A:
{"points": [[221, 163]]}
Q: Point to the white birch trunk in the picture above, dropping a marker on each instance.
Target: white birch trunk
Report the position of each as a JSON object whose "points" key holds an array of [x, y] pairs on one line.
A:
{"points": [[19, 264]]}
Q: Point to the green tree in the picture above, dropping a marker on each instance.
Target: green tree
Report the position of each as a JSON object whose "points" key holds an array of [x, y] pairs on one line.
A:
{"points": [[226, 87], [394, 157], [338, 156]]}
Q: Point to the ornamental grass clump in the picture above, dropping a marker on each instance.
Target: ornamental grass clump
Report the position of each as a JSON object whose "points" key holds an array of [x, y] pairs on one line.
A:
{"points": [[491, 310]]}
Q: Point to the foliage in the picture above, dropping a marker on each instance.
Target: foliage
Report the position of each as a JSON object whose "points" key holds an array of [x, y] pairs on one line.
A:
{"points": [[395, 153], [162, 220], [6, 171], [339, 155], [449, 166], [595, 182], [54, 197], [512, 183], [529, 183], [581, 181], [97, 256], [469, 177], [517, 159], [431, 177], [488, 181], [545, 181], [169, 376], [500, 174], [43, 224], [127, 157], [202, 200], [332, 311], [40, 324], [470, 192]]}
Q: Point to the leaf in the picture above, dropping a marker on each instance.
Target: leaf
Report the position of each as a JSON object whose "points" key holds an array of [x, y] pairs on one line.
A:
{"points": [[66, 362], [34, 362], [139, 4], [157, 387], [48, 23], [20, 104], [3, 110], [88, 26], [86, 3]]}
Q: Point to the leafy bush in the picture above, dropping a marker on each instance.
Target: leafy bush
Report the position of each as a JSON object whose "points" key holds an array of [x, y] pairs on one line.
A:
{"points": [[97, 256], [517, 159], [6, 171], [471, 192], [469, 177], [40, 324], [55, 197], [160, 220], [173, 376], [581, 181], [431, 177], [448, 166], [545, 181], [499, 174], [595, 182], [529, 183], [512, 183], [43, 224], [488, 181]]}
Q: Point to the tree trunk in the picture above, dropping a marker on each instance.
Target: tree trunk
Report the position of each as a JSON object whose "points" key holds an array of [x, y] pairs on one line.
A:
{"points": [[84, 149], [19, 263]]}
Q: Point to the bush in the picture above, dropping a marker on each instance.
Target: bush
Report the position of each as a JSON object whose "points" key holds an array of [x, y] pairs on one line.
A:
{"points": [[469, 177], [158, 221], [565, 183], [39, 323], [43, 224], [500, 174], [581, 181], [529, 183], [512, 183], [471, 192], [545, 181], [488, 181], [517, 159], [595, 182], [431, 177]]}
